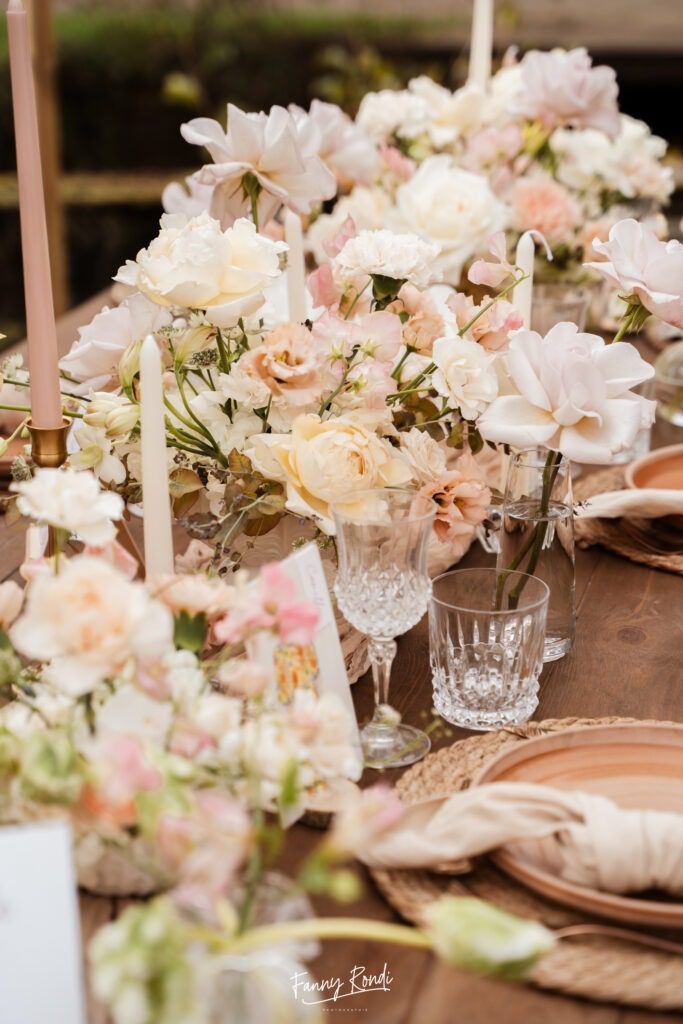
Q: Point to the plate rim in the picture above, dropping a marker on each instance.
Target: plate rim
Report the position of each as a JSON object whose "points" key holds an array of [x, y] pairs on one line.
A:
{"points": [[602, 904]]}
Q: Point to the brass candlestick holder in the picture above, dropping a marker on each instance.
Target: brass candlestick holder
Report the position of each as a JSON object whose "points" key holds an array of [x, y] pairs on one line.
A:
{"points": [[48, 444], [48, 451]]}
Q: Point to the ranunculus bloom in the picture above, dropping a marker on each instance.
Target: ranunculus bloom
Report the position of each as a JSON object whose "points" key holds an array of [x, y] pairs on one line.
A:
{"points": [[93, 359], [87, 622], [195, 594], [638, 263], [453, 208], [70, 500], [465, 375], [461, 497], [195, 263], [493, 328], [541, 204], [573, 395], [563, 88], [282, 156], [322, 461], [425, 456]]}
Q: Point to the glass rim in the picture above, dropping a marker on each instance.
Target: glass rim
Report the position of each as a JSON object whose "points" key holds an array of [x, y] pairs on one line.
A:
{"points": [[491, 611], [540, 454], [354, 496]]}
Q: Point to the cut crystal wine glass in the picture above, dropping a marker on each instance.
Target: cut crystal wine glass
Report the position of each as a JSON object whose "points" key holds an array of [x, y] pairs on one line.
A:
{"points": [[383, 589]]}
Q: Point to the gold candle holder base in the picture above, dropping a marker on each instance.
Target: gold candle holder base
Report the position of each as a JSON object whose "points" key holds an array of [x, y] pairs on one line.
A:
{"points": [[48, 451], [48, 445]]}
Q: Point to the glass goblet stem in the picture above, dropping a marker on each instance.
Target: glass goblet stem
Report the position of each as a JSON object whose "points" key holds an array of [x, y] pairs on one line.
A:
{"points": [[382, 654]]}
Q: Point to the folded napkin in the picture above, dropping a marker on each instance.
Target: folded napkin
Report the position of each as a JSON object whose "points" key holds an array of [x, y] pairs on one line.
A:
{"points": [[644, 503], [599, 845]]}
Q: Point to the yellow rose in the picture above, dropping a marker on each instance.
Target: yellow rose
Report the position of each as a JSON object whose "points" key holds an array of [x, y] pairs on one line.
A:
{"points": [[322, 461]]}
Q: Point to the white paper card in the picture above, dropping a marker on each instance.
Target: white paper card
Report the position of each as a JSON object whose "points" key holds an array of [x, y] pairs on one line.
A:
{"points": [[40, 946], [305, 568]]}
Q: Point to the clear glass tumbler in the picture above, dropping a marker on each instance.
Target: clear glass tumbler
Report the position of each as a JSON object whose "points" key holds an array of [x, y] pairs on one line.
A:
{"points": [[383, 589], [537, 537], [556, 303], [486, 659]]}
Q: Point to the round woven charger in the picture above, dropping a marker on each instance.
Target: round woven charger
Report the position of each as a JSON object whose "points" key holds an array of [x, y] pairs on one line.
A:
{"points": [[595, 967], [648, 541]]}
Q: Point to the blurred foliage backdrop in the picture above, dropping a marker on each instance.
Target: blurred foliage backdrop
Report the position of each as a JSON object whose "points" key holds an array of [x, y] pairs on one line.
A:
{"points": [[127, 78]]}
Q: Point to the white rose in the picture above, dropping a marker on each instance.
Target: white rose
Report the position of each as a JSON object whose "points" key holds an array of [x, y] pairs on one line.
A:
{"points": [[423, 454], [195, 263], [323, 461], [93, 359], [465, 375], [87, 622], [454, 208], [393, 112], [70, 500], [452, 115], [402, 257], [130, 712]]}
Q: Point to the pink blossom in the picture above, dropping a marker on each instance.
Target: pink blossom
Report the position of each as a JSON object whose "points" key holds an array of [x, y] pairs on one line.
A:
{"points": [[563, 88], [424, 324], [122, 771], [335, 245], [493, 328], [374, 381], [493, 146], [541, 204], [492, 274], [297, 623], [462, 499], [372, 812], [274, 607], [188, 740], [400, 167], [116, 555], [322, 287], [244, 679]]}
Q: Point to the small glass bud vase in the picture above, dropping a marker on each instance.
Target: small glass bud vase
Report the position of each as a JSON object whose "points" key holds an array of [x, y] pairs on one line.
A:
{"points": [[537, 538]]}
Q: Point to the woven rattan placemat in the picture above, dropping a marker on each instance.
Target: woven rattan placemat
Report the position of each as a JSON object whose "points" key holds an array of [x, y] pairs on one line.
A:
{"points": [[652, 542], [598, 968]]}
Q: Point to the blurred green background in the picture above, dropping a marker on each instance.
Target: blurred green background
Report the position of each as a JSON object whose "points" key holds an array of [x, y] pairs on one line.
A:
{"points": [[128, 77]]}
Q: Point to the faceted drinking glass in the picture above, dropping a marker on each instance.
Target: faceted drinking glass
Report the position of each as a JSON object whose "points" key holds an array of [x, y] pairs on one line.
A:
{"points": [[485, 656], [558, 303], [383, 589]]}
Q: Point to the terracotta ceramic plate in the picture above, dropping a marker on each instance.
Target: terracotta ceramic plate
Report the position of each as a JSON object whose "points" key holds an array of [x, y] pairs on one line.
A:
{"points": [[635, 765], [661, 469]]}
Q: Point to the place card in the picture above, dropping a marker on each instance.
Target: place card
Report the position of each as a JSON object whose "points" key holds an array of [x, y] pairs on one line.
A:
{"points": [[40, 946], [322, 667]]}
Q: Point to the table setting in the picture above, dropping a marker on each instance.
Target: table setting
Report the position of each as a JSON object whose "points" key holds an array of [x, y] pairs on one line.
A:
{"points": [[304, 531]]}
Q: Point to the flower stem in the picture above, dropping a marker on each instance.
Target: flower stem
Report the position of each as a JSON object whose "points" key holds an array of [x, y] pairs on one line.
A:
{"points": [[328, 928]]}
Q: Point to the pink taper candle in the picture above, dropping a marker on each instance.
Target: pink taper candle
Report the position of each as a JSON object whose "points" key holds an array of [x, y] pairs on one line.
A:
{"points": [[46, 405]]}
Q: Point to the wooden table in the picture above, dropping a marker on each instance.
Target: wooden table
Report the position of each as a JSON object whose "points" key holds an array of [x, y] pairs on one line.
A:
{"points": [[626, 662]]}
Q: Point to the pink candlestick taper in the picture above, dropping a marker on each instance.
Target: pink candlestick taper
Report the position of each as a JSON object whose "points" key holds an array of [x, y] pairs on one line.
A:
{"points": [[46, 404]]}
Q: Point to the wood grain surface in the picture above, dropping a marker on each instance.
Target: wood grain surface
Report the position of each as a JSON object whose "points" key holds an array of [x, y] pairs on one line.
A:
{"points": [[626, 661]]}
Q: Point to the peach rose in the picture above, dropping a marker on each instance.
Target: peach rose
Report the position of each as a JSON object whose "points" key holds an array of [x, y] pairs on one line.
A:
{"points": [[543, 205]]}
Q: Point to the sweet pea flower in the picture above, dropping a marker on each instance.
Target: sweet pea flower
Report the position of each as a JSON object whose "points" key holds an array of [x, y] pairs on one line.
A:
{"points": [[121, 772], [280, 155], [641, 265], [563, 88], [493, 327], [273, 607], [493, 273], [573, 395]]}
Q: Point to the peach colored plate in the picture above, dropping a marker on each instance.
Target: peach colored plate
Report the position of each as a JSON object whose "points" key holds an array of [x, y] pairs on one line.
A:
{"points": [[661, 469], [636, 765]]}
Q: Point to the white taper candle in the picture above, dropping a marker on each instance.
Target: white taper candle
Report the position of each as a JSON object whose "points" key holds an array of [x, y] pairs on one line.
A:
{"points": [[296, 267], [523, 293], [155, 491], [481, 44]]}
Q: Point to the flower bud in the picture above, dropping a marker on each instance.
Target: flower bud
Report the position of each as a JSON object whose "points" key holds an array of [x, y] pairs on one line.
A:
{"points": [[129, 366]]}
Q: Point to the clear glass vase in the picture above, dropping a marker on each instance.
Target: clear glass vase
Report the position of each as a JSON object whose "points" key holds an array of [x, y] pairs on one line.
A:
{"points": [[537, 538], [557, 303]]}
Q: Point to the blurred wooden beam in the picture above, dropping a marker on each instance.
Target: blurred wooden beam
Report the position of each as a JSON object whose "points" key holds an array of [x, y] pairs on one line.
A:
{"points": [[102, 188], [45, 73]]}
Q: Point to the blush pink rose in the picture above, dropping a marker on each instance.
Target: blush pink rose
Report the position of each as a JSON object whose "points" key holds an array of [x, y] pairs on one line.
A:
{"points": [[541, 204]]}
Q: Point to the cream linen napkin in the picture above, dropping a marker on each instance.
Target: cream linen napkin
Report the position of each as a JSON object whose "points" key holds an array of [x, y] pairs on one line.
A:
{"points": [[643, 503], [599, 845]]}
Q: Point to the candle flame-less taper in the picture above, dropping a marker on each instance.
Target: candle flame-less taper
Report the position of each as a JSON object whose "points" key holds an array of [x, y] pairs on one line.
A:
{"points": [[156, 500]]}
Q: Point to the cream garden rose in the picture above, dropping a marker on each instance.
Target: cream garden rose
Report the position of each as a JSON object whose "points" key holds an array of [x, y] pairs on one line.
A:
{"points": [[194, 263], [465, 374], [453, 208], [322, 461], [87, 622]]}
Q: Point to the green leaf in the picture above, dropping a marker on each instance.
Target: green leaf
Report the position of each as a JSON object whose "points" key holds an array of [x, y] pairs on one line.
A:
{"points": [[474, 439], [456, 438], [190, 631], [289, 787]]}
